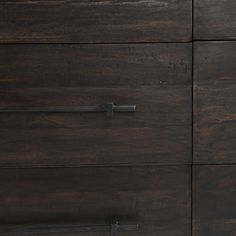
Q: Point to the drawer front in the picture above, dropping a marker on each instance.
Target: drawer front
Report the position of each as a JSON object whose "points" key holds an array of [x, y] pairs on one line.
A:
{"points": [[214, 200], [215, 102], [155, 198], [154, 77], [95, 21], [214, 19]]}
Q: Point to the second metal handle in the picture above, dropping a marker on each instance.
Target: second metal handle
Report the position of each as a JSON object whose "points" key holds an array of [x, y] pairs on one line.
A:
{"points": [[109, 108], [114, 227]]}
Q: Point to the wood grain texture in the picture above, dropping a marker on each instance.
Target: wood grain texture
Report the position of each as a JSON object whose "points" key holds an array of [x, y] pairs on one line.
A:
{"points": [[65, 65], [214, 200], [160, 130], [97, 21], [158, 198], [214, 19], [215, 102]]}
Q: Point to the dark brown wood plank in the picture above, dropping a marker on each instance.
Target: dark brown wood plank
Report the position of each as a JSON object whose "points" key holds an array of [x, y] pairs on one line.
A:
{"points": [[214, 200], [160, 130], [94, 65], [95, 21], [214, 19], [156, 78], [157, 198], [215, 102]]}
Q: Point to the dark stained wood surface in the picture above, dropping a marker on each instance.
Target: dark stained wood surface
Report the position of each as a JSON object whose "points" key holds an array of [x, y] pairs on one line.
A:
{"points": [[95, 21], [157, 78], [157, 198], [214, 200], [215, 102], [214, 19], [71, 65]]}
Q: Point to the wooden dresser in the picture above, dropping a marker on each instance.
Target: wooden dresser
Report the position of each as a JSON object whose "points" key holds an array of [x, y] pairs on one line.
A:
{"points": [[117, 118]]}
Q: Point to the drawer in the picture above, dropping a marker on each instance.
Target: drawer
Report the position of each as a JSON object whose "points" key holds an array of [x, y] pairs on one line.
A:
{"points": [[214, 19], [95, 21], [214, 200], [215, 102], [154, 77], [157, 199]]}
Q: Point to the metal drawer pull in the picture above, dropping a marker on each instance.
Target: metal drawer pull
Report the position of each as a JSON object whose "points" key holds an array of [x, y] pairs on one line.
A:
{"points": [[114, 228], [109, 108]]}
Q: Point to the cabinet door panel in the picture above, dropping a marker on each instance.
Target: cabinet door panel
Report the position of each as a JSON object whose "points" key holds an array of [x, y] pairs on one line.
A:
{"points": [[214, 200], [156, 198], [156, 78], [86, 21], [215, 19], [215, 102]]}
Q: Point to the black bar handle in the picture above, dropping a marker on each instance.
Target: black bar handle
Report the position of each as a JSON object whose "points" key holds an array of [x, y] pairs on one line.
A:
{"points": [[109, 108], [114, 227]]}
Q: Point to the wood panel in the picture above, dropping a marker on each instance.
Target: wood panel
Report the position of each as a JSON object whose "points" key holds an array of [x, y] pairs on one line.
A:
{"points": [[157, 198], [214, 19], [66, 65], [95, 21], [215, 102], [214, 200], [160, 130]]}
